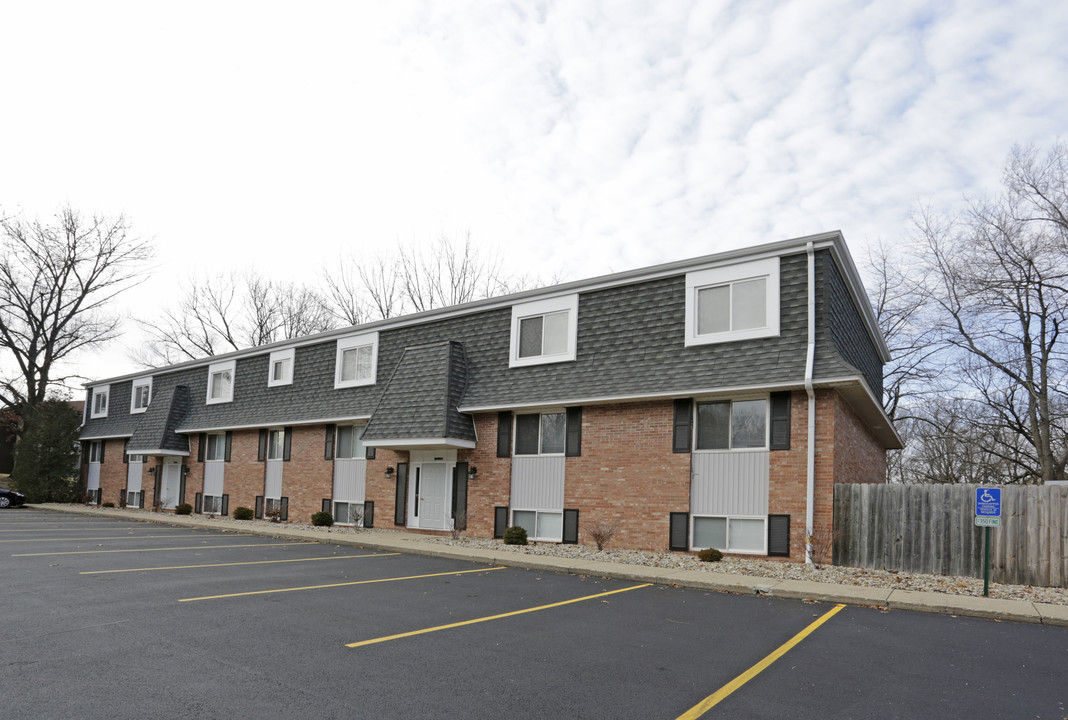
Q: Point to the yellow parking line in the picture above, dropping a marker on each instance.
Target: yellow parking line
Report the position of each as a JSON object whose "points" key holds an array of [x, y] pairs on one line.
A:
{"points": [[334, 585], [491, 617], [194, 547], [256, 562], [715, 698], [119, 537]]}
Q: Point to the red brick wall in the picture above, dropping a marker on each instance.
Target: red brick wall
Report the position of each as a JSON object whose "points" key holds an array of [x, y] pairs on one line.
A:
{"points": [[244, 474], [380, 490], [112, 471], [308, 477], [627, 475], [491, 486], [858, 456]]}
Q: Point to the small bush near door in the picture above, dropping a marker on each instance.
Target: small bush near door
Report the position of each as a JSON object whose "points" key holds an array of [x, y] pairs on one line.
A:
{"points": [[322, 519], [709, 555], [184, 509], [243, 513], [515, 535]]}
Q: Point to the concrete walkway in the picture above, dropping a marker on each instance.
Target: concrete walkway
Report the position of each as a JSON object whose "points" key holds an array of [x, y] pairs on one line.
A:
{"points": [[1017, 610]]}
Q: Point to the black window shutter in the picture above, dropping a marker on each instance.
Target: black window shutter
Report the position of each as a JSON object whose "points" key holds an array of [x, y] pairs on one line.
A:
{"points": [[99, 495], [369, 514], [125, 444], [459, 497], [229, 442], [285, 509], [159, 483], [780, 421], [122, 498], [500, 521], [181, 490], [103, 444], [287, 443], [573, 447], [197, 503], [327, 505], [779, 535], [328, 448], [400, 511], [226, 504], [571, 519], [261, 455], [202, 440], [683, 430], [259, 507], [679, 531], [369, 453], [504, 435]]}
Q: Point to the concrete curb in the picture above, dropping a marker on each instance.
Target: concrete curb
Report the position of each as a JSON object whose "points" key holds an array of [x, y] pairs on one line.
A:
{"points": [[960, 605]]}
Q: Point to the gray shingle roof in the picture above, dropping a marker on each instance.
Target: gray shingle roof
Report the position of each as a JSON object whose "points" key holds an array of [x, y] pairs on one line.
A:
{"points": [[156, 426]]}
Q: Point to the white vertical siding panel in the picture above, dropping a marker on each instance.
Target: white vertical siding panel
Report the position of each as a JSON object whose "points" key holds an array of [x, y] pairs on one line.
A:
{"points": [[273, 487], [133, 476], [213, 477], [538, 483], [94, 476], [730, 483], [350, 480]]}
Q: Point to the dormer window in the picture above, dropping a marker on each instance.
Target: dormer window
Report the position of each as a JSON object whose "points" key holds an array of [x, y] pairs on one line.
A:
{"points": [[733, 302], [356, 362], [221, 382], [99, 408], [280, 368], [140, 395], [544, 331]]}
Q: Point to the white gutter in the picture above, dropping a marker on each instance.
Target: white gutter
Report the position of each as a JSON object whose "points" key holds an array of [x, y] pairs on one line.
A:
{"points": [[810, 488]]}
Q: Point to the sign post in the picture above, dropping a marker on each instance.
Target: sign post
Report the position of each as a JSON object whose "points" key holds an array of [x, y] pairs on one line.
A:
{"points": [[987, 515]]}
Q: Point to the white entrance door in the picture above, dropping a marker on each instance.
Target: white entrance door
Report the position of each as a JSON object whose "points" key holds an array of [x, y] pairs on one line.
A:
{"points": [[432, 483], [172, 478]]}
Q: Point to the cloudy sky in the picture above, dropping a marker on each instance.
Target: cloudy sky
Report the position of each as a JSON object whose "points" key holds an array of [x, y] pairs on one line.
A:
{"points": [[577, 138]]}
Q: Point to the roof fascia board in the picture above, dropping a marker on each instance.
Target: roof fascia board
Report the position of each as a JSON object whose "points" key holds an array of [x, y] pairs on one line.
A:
{"points": [[628, 277], [421, 442], [168, 453], [256, 426], [104, 437]]}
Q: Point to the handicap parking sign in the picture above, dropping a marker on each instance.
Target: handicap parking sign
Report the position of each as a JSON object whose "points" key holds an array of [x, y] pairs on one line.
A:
{"points": [[988, 502]]}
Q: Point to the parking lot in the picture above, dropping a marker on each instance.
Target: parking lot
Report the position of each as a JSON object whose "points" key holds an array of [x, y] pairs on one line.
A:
{"points": [[107, 618]]}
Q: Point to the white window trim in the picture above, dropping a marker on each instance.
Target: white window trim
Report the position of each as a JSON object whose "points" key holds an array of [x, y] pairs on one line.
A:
{"points": [[730, 437], [203, 503], [278, 356], [567, 303], [515, 434], [355, 341], [712, 277], [728, 549], [230, 365], [94, 451], [140, 382], [104, 390], [539, 511], [220, 443]]}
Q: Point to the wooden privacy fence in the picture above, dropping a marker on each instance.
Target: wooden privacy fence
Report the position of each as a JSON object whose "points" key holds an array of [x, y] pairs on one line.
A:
{"points": [[931, 529]]}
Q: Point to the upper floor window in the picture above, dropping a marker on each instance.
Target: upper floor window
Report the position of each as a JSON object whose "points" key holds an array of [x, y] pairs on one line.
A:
{"points": [[216, 447], [281, 368], [734, 302], [276, 444], [350, 443], [140, 395], [96, 451], [99, 408], [357, 360], [221, 382], [540, 433], [732, 425], [544, 331]]}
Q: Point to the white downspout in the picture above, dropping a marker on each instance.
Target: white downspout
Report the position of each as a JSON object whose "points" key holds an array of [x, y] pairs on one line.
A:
{"points": [[810, 489]]}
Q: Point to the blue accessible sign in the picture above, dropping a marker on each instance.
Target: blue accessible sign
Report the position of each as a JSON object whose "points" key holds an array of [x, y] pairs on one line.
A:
{"points": [[988, 502]]}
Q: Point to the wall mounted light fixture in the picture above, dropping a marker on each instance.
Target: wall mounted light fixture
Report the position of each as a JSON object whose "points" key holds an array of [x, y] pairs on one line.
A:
{"points": [[472, 471], [389, 472]]}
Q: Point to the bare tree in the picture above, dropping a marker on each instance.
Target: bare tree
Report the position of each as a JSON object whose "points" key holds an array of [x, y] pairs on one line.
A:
{"points": [[1000, 280], [233, 312], [57, 281]]}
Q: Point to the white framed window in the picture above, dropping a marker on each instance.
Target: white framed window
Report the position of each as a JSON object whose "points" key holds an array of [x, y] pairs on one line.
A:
{"points": [[731, 533], [350, 442], [215, 448], [140, 395], [348, 513], [276, 443], [211, 505], [99, 408], [544, 331], [732, 425], [133, 498], [280, 368], [540, 433], [95, 450], [221, 382], [542, 525], [733, 302], [357, 360]]}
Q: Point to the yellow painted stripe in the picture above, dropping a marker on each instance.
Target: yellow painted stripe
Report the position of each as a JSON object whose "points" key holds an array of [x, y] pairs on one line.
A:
{"points": [[119, 537], [335, 585], [491, 617], [256, 562], [194, 547], [715, 698]]}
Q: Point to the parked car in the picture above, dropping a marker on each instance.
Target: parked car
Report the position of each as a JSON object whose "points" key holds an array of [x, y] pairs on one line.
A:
{"points": [[10, 498]]}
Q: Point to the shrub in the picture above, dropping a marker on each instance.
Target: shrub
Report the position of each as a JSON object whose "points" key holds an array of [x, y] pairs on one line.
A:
{"points": [[243, 513], [602, 534], [710, 555], [515, 535], [108, 504], [183, 509], [322, 519]]}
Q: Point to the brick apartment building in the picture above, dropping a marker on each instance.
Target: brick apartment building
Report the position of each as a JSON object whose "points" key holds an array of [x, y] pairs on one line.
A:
{"points": [[712, 402]]}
